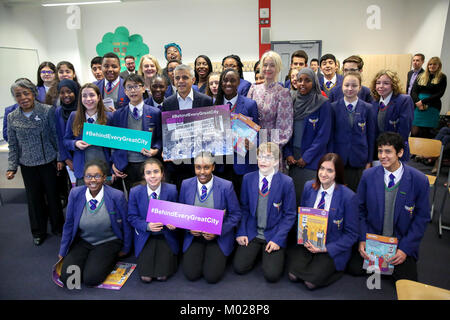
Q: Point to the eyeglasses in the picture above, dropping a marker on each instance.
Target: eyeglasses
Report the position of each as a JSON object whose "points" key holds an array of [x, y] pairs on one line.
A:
{"points": [[47, 72], [96, 177], [132, 88]]}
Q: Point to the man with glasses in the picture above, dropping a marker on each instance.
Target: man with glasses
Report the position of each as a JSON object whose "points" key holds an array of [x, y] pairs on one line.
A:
{"points": [[137, 116], [131, 67], [351, 64]]}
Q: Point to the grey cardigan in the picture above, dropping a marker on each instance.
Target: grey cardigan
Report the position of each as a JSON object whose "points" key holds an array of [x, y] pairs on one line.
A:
{"points": [[32, 141]]}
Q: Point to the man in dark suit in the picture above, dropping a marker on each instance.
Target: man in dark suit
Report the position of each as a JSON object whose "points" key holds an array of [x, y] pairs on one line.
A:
{"points": [[131, 67], [184, 99], [417, 62]]}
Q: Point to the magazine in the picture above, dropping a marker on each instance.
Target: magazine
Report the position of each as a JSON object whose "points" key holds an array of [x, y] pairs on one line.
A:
{"points": [[312, 226], [380, 249], [115, 280], [243, 128]]}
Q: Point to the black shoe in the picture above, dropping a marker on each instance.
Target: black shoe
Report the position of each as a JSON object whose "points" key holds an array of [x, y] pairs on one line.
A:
{"points": [[38, 240]]}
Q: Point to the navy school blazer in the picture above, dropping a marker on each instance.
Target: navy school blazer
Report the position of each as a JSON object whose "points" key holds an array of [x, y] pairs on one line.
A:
{"points": [[60, 125], [149, 101], [78, 155], [224, 199], [316, 136], [151, 121], [355, 145], [399, 118], [115, 203], [8, 110], [244, 87], [249, 108], [137, 213], [122, 99], [322, 81], [336, 94], [411, 210], [41, 94], [343, 223], [281, 208]]}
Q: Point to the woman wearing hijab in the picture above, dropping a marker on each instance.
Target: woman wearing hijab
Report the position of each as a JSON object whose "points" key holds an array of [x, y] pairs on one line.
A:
{"points": [[311, 130]]}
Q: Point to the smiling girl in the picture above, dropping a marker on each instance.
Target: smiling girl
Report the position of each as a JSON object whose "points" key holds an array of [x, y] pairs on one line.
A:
{"points": [[156, 245], [92, 110]]}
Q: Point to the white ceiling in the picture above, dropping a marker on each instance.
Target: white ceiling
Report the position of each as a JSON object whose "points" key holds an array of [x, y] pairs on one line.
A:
{"points": [[39, 2]]}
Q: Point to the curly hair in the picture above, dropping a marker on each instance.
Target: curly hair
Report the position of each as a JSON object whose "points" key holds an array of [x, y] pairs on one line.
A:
{"points": [[395, 80]]}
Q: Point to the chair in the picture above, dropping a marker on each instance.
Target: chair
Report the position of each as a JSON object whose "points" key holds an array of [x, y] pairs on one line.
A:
{"points": [[412, 290], [428, 148], [446, 195]]}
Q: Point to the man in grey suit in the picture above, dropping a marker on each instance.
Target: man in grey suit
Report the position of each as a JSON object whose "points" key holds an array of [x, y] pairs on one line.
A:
{"points": [[131, 67]]}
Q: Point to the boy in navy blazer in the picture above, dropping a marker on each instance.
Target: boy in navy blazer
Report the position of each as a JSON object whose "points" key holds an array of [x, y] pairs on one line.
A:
{"points": [[393, 201], [268, 212], [112, 85], [330, 78], [138, 116]]}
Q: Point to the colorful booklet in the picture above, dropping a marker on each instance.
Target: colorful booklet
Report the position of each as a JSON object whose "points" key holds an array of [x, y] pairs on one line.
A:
{"points": [[243, 128], [115, 280], [312, 226], [380, 249]]}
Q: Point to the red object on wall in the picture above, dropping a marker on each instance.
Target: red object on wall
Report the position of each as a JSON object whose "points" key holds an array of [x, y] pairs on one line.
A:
{"points": [[263, 23]]}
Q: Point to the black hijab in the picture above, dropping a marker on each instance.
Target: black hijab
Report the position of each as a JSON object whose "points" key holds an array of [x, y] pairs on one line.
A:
{"points": [[68, 108]]}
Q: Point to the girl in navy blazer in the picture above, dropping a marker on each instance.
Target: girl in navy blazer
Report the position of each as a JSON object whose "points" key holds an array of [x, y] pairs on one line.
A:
{"points": [[90, 109], [228, 95], [311, 132], [353, 130], [96, 231], [393, 111], [204, 253], [268, 213], [46, 75], [321, 267], [156, 246]]}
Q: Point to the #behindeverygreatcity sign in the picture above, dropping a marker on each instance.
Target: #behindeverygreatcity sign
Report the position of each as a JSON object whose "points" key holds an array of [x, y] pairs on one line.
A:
{"points": [[115, 137]]}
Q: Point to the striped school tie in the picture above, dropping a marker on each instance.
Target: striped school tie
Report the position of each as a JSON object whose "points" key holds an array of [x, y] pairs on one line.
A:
{"points": [[391, 181], [90, 120], [153, 195], [109, 87], [93, 204], [135, 113], [328, 84], [265, 187], [322, 201], [204, 193], [350, 108]]}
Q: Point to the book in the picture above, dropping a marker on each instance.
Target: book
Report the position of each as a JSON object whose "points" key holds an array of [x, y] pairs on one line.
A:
{"points": [[312, 226], [243, 128], [380, 249]]}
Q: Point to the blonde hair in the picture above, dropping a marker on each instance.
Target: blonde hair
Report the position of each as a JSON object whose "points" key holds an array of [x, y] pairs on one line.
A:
{"points": [[424, 77], [395, 80], [269, 147], [153, 59], [276, 59]]}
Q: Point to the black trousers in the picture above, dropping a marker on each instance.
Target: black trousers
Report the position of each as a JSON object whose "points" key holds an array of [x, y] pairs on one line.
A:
{"points": [[156, 258], [316, 268], [95, 262], [43, 198], [407, 270], [205, 258], [175, 174], [272, 263], [134, 175]]}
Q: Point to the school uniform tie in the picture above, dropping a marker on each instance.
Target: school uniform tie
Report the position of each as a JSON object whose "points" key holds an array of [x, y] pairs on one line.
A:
{"points": [[154, 195], [322, 201], [391, 181], [204, 193], [382, 105], [90, 120], [328, 84], [109, 86], [265, 187], [350, 108], [135, 113], [93, 204], [229, 104]]}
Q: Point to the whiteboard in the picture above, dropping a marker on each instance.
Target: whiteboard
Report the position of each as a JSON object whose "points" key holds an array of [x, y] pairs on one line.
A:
{"points": [[15, 63]]}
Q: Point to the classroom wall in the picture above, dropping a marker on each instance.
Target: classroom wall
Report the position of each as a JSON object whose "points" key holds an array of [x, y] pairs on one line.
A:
{"points": [[219, 28]]}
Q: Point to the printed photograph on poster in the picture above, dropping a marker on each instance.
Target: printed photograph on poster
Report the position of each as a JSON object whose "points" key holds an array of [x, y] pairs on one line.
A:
{"points": [[187, 132]]}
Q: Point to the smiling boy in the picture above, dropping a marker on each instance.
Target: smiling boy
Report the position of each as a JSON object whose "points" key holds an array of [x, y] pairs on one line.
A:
{"points": [[393, 202], [330, 78]]}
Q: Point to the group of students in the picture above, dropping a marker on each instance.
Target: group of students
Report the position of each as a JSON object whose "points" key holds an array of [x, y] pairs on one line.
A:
{"points": [[328, 131]]}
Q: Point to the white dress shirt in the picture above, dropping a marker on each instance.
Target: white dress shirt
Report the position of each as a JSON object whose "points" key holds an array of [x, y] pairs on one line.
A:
{"points": [[397, 173], [328, 196], [157, 191], [99, 196], [140, 108], [186, 104]]}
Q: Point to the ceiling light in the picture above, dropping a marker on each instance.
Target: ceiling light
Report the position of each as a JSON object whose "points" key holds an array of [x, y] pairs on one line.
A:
{"points": [[78, 3]]}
